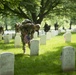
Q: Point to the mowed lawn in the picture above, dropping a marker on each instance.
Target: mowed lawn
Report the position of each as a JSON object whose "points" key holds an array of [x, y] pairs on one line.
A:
{"points": [[46, 63]]}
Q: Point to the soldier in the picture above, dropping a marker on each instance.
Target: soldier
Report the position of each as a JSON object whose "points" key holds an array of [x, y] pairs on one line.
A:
{"points": [[27, 29]]}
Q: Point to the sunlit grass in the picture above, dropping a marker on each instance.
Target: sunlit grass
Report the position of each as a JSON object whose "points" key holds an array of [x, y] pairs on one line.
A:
{"points": [[46, 63]]}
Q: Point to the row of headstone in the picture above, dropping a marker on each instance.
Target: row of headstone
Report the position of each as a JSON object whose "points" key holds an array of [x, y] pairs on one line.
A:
{"points": [[54, 33], [68, 58], [43, 38], [67, 37], [73, 30], [48, 36], [6, 38], [11, 33], [51, 33], [7, 64], [34, 44]]}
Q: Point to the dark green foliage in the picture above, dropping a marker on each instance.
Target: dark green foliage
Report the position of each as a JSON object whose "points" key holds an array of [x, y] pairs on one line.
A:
{"points": [[37, 10], [1, 30]]}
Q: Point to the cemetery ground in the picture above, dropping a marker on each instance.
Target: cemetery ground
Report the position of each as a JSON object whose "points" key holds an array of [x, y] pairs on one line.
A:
{"points": [[46, 63]]}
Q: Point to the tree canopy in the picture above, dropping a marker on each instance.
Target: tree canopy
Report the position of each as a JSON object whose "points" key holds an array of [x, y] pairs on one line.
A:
{"points": [[36, 10]]}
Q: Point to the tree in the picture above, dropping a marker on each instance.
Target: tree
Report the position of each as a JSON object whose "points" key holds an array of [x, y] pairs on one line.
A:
{"points": [[36, 10]]}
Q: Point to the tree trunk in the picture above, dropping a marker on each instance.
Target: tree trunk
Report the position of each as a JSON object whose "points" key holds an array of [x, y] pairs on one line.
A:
{"points": [[70, 25], [5, 22]]}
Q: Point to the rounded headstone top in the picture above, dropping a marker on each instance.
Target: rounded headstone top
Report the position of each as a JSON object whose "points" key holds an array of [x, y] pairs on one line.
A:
{"points": [[66, 47], [18, 34]]}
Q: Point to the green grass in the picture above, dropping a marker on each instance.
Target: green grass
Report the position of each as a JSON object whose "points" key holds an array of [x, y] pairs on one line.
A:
{"points": [[46, 63]]}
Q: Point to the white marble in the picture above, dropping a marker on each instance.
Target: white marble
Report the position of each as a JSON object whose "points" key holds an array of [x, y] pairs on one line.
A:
{"points": [[10, 32], [59, 31], [6, 38], [7, 64], [68, 58], [73, 30], [34, 47], [18, 40], [35, 35], [41, 32], [54, 33], [67, 36], [48, 35], [43, 39]]}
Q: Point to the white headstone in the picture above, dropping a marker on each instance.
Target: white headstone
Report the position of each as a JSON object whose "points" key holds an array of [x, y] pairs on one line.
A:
{"points": [[10, 36], [54, 33], [67, 36], [17, 40], [68, 58], [43, 39], [48, 35], [59, 31], [6, 38], [74, 30], [7, 64], [35, 35], [41, 32], [34, 47], [0, 36]]}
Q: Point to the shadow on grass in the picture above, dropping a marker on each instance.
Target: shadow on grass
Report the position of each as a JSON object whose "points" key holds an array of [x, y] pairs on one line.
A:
{"points": [[48, 63], [6, 46], [60, 34], [45, 64]]}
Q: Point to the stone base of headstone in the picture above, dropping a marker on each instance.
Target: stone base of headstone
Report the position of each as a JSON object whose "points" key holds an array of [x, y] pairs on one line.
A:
{"points": [[68, 58], [6, 64], [34, 47]]}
